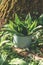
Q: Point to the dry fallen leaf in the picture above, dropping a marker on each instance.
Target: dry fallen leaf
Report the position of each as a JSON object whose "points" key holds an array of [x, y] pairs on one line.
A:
{"points": [[26, 53], [2, 22]]}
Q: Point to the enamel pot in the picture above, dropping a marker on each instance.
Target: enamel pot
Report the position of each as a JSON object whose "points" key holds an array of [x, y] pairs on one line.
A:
{"points": [[24, 41]]}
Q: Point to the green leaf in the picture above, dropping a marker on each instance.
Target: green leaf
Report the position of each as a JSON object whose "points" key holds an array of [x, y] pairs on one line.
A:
{"points": [[41, 20], [11, 24], [28, 20], [17, 61], [17, 20], [33, 25], [3, 57]]}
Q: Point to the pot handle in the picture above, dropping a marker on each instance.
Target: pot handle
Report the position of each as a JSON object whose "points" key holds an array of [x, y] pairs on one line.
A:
{"points": [[35, 37]]}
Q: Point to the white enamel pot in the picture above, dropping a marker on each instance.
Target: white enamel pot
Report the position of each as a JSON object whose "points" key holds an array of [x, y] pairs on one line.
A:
{"points": [[25, 41], [22, 41]]}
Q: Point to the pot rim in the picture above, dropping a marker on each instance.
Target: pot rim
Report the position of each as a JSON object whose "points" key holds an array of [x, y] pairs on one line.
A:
{"points": [[23, 35]]}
